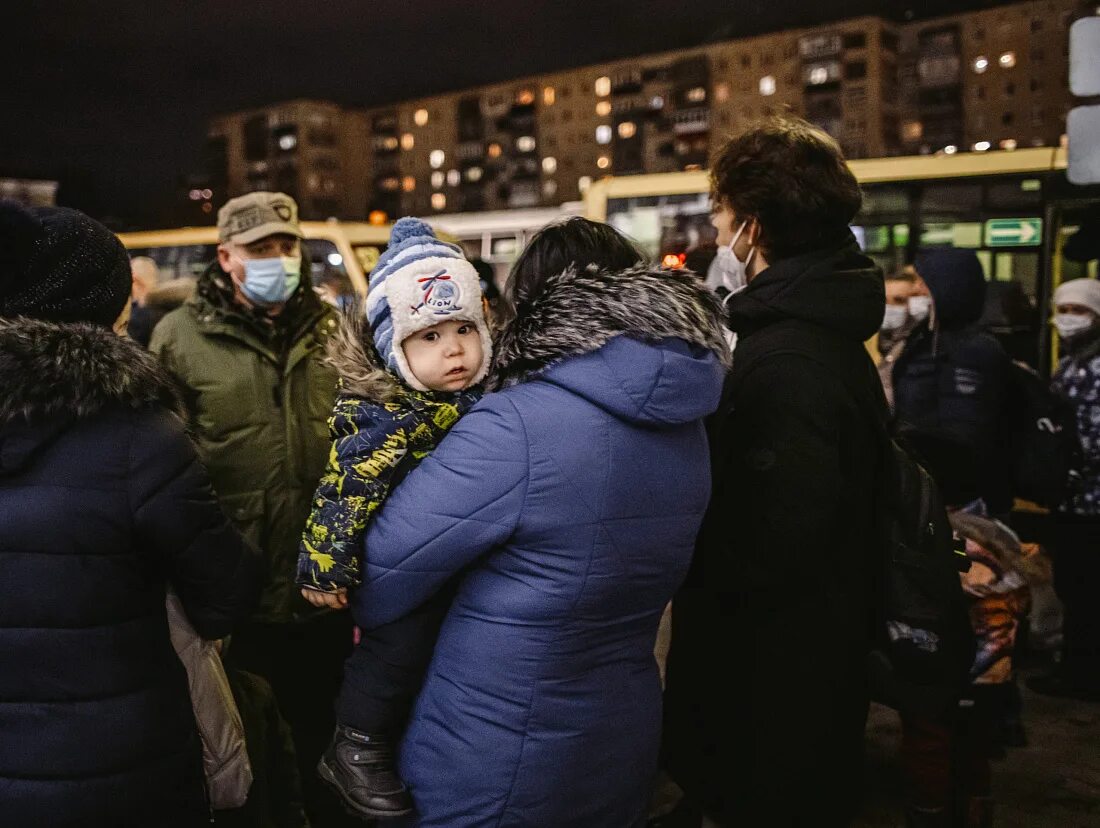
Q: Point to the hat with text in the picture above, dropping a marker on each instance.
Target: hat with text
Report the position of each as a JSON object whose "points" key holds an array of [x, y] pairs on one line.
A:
{"points": [[255, 216], [421, 281]]}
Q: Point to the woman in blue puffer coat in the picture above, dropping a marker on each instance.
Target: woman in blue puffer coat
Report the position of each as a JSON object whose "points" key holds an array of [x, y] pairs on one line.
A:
{"points": [[566, 507]]}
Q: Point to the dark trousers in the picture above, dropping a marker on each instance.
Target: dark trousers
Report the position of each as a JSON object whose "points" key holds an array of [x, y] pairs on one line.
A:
{"points": [[1076, 579], [386, 669], [303, 663]]}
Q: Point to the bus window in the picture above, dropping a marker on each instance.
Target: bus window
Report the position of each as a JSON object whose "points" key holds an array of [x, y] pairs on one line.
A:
{"points": [[185, 261], [327, 272], [662, 224]]}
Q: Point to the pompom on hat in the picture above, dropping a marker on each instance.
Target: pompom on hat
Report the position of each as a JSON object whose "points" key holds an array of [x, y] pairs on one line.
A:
{"points": [[59, 265], [1083, 292], [421, 281]]}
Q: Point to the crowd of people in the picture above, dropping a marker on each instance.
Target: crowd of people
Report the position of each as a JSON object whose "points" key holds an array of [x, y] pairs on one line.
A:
{"points": [[433, 544]]}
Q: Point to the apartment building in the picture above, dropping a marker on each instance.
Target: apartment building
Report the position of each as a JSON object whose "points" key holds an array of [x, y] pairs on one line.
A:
{"points": [[991, 79], [314, 150]]}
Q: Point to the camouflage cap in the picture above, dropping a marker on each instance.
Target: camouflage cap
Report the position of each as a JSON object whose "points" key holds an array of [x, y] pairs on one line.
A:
{"points": [[251, 217]]}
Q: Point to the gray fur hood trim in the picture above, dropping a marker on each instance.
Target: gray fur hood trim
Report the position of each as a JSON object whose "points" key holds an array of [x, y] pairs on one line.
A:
{"points": [[350, 351], [579, 311], [48, 368]]}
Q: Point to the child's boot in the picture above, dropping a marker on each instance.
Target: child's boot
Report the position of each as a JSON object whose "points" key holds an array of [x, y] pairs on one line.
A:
{"points": [[359, 766]]}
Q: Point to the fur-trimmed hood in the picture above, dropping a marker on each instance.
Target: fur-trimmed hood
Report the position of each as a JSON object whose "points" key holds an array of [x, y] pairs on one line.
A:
{"points": [[579, 311], [350, 351], [74, 370]]}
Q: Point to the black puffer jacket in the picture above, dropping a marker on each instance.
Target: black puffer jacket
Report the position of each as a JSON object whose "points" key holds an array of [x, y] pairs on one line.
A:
{"points": [[954, 379], [102, 504], [779, 595]]}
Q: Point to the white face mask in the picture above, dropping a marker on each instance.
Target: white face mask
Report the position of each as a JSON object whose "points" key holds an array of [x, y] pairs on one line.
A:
{"points": [[734, 272], [1070, 325], [920, 307], [894, 317]]}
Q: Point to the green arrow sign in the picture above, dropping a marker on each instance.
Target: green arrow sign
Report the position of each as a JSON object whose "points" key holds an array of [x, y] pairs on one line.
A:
{"points": [[1025, 232]]}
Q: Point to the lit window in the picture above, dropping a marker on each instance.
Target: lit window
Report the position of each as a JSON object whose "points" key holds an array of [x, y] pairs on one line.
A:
{"points": [[390, 143], [525, 143], [912, 130], [288, 142], [603, 86], [1007, 60], [436, 158], [453, 178], [722, 92], [767, 85], [525, 97], [819, 75], [603, 162], [420, 117], [982, 146], [437, 179], [549, 165], [474, 174], [583, 183], [1008, 144], [603, 134], [657, 102], [981, 64], [408, 184], [603, 108], [439, 201], [549, 95], [950, 149], [408, 141], [697, 94], [549, 188], [627, 129], [494, 150]]}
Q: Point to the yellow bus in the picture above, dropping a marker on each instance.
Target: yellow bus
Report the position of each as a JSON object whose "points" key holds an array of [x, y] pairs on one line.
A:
{"points": [[1015, 209], [345, 251]]}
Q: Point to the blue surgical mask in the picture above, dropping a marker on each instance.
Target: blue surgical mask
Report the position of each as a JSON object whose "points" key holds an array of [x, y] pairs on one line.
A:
{"points": [[271, 281]]}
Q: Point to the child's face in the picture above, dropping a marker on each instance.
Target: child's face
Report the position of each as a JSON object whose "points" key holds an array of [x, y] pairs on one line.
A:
{"points": [[445, 357]]}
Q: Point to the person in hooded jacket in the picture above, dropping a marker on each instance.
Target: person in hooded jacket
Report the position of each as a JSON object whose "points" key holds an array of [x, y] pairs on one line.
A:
{"points": [[566, 504], [780, 592], [953, 377], [103, 505], [1076, 545]]}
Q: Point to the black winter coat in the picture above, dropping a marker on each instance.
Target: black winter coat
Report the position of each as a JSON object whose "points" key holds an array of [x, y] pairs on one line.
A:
{"points": [[952, 381], [102, 505], [766, 696]]}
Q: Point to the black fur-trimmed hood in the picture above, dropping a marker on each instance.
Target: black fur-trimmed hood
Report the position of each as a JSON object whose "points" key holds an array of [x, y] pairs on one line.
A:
{"points": [[74, 370], [580, 311]]}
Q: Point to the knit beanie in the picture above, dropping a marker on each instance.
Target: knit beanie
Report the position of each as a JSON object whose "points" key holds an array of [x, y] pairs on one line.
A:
{"points": [[59, 265], [419, 282], [1084, 292]]}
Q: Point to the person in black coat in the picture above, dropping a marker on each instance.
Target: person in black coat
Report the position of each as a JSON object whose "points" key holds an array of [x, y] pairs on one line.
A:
{"points": [[954, 378], [103, 506], [766, 697]]}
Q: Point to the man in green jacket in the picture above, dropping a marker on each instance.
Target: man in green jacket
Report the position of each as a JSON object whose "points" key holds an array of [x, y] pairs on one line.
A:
{"points": [[249, 347]]}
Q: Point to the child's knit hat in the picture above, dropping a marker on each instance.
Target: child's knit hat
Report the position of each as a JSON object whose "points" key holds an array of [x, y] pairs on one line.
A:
{"points": [[419, 282]]}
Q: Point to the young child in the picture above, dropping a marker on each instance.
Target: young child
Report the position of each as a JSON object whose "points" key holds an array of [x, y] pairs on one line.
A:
{"points": [[408, 371]]}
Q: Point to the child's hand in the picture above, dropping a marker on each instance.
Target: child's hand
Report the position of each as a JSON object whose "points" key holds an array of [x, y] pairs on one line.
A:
{"points": [[332, 600]]}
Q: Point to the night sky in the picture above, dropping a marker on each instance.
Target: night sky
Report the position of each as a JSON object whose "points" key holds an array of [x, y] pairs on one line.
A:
{"points": [[113, 97]]}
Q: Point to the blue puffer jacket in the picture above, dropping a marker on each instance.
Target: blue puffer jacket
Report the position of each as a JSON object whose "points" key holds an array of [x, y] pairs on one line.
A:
{"points": [[571, 502], [102, 504]]}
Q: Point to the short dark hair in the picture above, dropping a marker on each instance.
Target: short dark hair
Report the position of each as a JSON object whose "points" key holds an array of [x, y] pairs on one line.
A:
{"points": [[574, 242], [793, 179]]}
